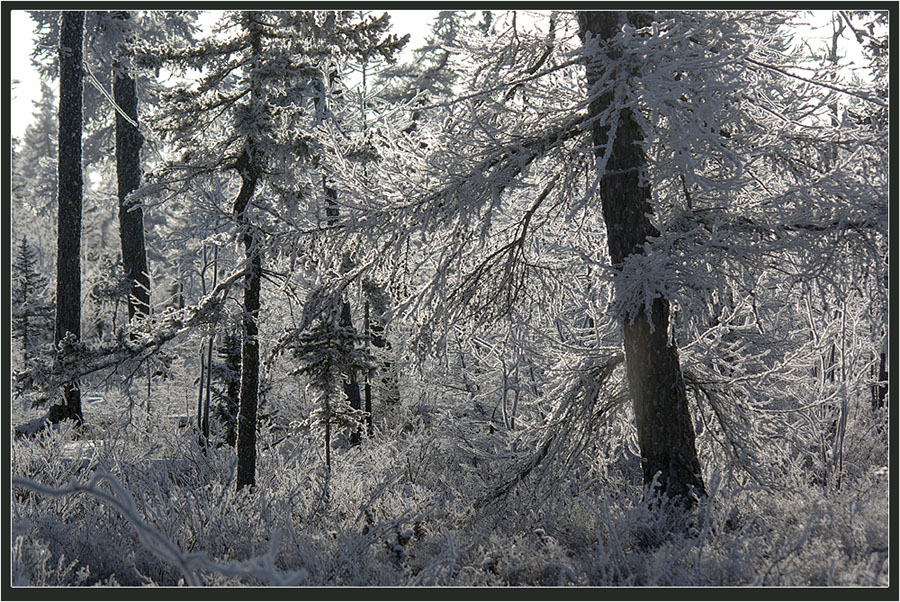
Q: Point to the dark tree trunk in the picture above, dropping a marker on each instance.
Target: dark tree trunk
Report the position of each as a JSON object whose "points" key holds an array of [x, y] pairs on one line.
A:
{"points": [[246, 437], [246, 442], [68, 248], [128, 173], [665, 430], [368, 387], [350, 378], [880, 389], [247, 167]]}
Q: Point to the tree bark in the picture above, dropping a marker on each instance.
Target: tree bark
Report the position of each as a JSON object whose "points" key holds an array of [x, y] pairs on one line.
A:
{"points": [[368, 386], [665, 431], [351, 379], [70, 178], [128, 174], [246, 443], [246, 438], [247, 166]]}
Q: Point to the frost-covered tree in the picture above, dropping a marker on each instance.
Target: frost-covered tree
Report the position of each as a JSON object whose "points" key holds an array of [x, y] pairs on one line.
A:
{"points": [[588, 180], [263, 89], [870, 30], [664, 425], [348, 115], [33, 185], [32, 312]]}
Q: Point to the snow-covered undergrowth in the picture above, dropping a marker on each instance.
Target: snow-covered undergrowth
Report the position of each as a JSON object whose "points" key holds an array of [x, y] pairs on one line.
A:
{"points": [[150, 507]]}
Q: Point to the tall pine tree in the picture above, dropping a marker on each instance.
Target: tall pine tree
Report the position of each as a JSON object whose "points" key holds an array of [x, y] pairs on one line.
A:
{"points": [[69, 176]]}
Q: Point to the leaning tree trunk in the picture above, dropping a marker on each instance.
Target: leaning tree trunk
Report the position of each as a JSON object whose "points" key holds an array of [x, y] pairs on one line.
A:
{"points": [[128, 174], [68, 246], [665, 431]]}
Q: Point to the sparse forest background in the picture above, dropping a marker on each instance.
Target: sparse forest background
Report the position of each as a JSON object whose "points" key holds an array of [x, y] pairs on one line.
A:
{"points": [[558, 298]]}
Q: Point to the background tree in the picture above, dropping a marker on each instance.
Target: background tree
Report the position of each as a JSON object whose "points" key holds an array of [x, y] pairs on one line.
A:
{"points": [[32, 313], [276, 65], [128, 174], [34, 167], [368, 45], [228, 372], [434, 69]]}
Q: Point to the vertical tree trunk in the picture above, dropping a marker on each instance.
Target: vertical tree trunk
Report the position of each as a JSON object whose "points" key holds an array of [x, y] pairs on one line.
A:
{"points": [[247, 167], [246, 436], [246, 443], [350, 379], [68, 248], [665, 431], [368, 386], [128, 173]]}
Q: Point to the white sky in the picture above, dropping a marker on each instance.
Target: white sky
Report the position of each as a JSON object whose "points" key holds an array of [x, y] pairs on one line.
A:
{"points": [[415, 22]]}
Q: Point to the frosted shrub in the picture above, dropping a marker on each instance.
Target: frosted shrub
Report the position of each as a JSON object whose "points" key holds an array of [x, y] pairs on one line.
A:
{"points": [[382, 523], [30, 566]]}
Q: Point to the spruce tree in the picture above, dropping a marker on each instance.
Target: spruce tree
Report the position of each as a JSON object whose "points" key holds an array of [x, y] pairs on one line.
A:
{"points": [[31, 313]]}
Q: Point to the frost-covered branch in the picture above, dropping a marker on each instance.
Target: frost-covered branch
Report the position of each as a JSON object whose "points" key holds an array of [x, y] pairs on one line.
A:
{"points": [[861, 95]]}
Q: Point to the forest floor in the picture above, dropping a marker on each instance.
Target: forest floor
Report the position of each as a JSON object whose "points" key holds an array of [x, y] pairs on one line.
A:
{"points": [[139, 502]]}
